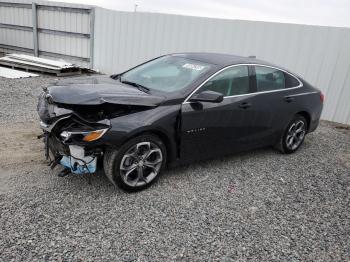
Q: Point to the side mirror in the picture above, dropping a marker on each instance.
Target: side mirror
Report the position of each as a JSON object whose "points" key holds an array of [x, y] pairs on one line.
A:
{"points": [[207, 96]]}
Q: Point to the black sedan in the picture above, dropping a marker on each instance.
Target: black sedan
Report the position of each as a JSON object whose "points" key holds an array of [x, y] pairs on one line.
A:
{"points": [[174, 109]]}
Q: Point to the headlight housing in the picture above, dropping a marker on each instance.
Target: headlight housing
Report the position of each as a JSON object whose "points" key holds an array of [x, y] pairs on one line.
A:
{"points": [[83, 136]]}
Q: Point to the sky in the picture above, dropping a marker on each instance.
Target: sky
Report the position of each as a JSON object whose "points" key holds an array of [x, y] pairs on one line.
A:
{"points": [[312, 12]]}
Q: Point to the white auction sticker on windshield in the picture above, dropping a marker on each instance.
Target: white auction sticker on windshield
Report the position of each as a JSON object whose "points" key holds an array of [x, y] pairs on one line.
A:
{"points": [[193, 67]]}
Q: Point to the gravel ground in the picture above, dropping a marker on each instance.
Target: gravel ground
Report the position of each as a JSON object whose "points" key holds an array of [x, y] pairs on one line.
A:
{"points": [[258, 205]]}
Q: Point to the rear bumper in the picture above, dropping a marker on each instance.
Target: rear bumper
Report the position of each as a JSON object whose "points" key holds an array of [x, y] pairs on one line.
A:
{"points": [[313, 125], [315, 118]]}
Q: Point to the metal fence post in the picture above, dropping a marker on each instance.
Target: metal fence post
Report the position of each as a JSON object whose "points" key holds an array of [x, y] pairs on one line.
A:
{"points": [[35, 29], [92, 36]]}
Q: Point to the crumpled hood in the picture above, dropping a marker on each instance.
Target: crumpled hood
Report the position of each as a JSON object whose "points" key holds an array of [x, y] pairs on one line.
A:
{"points": [[97, 90]]}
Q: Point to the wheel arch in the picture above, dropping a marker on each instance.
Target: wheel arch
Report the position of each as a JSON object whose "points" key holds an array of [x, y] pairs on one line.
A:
{"points": [[162, 135], [307, 116]]}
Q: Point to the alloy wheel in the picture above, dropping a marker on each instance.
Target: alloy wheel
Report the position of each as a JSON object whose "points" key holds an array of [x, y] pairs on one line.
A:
{"points": [[141, 164], [295, 135]]}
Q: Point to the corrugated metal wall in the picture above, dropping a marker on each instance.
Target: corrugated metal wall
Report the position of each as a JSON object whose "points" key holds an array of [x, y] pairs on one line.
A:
{"points": [[54, 22], [67, 22], [321, 55], [16, 16], [121, 39]]}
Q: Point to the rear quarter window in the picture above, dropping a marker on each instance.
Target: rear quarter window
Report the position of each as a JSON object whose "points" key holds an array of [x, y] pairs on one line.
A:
{"points": [[269, 79], [290, 81]]}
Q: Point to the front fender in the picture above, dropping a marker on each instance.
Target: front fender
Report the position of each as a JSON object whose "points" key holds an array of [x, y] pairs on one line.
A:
{"points": [[161, 120]]}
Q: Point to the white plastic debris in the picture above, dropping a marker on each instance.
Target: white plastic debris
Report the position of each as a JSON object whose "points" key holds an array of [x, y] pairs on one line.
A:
{"points": [[11, 73], [40, 61], [33, 63]]}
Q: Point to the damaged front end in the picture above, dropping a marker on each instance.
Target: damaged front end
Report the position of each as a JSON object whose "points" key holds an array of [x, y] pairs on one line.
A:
{"points": [[76, 118], [70, 139]]}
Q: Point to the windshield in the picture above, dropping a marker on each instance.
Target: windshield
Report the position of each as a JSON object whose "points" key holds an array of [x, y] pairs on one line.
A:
{"points": [[167, 73]]}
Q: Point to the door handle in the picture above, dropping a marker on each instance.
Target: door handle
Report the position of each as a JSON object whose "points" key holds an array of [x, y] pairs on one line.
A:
{"points": [[288, 99], [245, 105]]}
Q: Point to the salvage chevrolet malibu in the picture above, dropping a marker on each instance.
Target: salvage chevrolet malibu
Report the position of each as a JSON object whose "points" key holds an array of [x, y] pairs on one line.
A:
{"points": [[172, 110]]}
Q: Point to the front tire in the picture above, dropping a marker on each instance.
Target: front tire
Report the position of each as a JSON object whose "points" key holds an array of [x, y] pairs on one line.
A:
{"points": [[137, 164], [293, 136]]}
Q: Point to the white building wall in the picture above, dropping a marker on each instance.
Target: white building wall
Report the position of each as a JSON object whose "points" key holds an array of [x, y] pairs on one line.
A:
{"points": [[321, 55]]}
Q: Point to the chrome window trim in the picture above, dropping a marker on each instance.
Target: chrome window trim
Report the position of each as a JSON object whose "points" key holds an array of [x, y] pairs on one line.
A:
{"points": [[244, 64], [302, 94]]}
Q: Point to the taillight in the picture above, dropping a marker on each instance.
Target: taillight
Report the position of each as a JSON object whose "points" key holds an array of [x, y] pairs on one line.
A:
{"points": [[322, 97]]}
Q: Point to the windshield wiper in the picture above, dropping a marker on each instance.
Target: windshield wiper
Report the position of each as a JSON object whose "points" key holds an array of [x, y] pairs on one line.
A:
{"points": [[139, 87], [115, 76]]}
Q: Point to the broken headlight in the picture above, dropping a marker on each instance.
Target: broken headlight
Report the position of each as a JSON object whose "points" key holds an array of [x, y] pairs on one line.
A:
{"points": [[85, 136]]}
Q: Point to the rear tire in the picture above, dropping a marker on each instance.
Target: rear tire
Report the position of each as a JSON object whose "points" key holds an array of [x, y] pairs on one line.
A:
{"points": [[137, 164], [293, 136]]}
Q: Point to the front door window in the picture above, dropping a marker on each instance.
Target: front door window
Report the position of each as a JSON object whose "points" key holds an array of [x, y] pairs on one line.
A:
{"points": [[231, 81]]}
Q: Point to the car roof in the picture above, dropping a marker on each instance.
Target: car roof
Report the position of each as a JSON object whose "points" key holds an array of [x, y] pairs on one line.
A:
{"points": [[222, 59]]}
